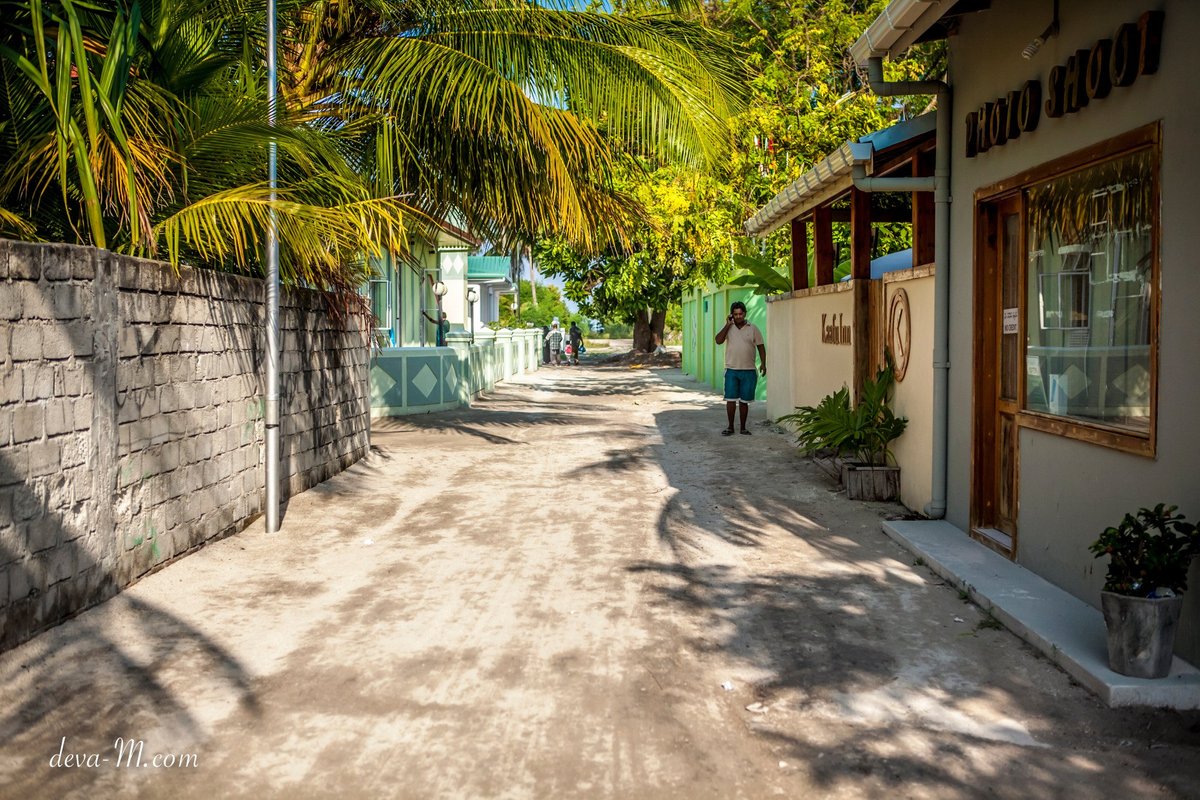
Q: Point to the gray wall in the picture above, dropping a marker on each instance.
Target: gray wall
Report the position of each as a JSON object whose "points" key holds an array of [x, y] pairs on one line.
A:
{"points": [[131, 406], [1069, 490]]}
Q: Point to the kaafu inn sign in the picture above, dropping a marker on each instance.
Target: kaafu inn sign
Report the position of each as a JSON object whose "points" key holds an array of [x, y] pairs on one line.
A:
{"points": [[1088, 75]]}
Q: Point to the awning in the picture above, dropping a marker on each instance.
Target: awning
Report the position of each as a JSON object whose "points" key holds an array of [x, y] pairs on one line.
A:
{"points": [[823, 182], [904, 23], [489, 268]]}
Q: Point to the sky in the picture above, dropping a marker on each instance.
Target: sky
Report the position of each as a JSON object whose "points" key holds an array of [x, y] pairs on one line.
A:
{"points": [[572, 306]]}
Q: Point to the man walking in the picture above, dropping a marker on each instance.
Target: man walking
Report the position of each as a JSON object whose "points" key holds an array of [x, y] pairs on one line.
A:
{"points": [[740, 339], [555, 339]]}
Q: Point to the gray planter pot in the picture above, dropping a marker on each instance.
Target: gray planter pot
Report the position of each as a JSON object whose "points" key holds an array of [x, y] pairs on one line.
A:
{"points": [[1141, 633]]}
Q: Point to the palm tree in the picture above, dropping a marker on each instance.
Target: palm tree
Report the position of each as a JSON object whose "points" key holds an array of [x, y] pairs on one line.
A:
{"points": [[141, 128]]}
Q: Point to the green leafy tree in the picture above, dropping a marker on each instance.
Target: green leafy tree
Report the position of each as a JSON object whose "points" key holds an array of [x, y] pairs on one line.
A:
{"points": [[550, 305], [806, 99], [139, 126], [684, 236]]}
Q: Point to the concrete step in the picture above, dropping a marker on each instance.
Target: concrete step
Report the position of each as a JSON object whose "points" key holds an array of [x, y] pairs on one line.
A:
{"points": [[1064, 628]]}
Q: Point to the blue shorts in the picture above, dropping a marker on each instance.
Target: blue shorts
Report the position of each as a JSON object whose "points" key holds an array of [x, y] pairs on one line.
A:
{"points": [[740, 385]]}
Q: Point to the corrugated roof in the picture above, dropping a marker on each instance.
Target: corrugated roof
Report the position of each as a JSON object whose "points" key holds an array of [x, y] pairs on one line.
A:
{"points": [[483, 268], [897, 27], [826, 180]]}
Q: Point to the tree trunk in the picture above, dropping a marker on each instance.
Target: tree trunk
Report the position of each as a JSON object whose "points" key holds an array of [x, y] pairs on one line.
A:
{"points": [[648, 328]]}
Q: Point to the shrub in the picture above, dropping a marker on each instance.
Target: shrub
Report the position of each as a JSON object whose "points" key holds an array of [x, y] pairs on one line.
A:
{"points": [[1149, 550]]}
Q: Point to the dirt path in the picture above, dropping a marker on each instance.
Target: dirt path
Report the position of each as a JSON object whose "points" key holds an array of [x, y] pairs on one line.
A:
{"points": [[576, 589]]}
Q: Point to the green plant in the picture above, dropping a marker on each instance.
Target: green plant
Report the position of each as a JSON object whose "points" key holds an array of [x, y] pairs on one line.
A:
{"points": [[864, 429], [1149, 550], [760, 275], [825, 426], [140, 125]]}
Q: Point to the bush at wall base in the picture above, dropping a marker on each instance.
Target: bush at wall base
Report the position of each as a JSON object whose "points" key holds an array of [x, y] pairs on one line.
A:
{"points": [[1149, 555], [856, 436]]}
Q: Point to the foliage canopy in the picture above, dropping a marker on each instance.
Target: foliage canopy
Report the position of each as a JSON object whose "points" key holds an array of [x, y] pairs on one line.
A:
{"points": [[139, 125]]}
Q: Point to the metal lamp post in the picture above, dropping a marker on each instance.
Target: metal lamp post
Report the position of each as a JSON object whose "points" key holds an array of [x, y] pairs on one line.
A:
{"points": [[472, 296], [271, 415], [439, 291]]}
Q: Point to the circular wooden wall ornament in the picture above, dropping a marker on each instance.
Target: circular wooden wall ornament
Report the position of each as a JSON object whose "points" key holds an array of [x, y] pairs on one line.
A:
{"points": [[899, 332]]}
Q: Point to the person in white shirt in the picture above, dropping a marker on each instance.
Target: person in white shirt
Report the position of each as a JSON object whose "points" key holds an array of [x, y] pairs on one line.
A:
{"points": [[741, 339]]}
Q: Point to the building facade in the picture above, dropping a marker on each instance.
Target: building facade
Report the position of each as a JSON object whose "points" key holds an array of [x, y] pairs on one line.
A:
{"points": [[1072, 279], [415, 368]]}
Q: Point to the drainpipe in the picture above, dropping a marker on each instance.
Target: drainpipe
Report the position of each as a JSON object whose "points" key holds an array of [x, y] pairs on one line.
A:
{"points": [[939, 184]]}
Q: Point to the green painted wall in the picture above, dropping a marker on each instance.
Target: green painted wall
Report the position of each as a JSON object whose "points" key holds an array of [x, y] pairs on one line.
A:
{"points": [[704, 312], [407, 292]]}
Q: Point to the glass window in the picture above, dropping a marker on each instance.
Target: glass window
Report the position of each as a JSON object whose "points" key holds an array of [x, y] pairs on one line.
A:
{"points": [[1091, 239], [381, 310]]}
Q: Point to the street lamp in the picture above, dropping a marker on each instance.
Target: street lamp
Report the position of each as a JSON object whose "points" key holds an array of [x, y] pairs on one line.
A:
{"points": [[472, 296], [439, 291], [271, 431]]}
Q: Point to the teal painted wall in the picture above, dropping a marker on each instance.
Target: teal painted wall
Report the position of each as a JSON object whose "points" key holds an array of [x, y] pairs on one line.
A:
{"points": [[704, 312]]}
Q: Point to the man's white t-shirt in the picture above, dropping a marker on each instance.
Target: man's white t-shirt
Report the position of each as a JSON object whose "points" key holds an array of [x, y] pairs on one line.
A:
{"points": [[741, 345]]}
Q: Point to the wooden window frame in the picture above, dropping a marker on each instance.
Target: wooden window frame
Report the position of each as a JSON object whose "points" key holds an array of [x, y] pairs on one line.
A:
{"points": [[1148, 137]]}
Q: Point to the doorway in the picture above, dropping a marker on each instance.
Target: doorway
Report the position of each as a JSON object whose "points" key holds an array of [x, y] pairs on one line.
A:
{"points": [[998, 331]]}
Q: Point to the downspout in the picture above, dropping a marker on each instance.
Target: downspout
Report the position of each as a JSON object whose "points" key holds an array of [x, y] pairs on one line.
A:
{"points": [[940, 185]]}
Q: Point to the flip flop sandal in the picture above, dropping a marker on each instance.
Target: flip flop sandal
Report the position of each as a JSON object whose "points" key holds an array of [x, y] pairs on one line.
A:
{"points": [[745, 433], [727, 432]]}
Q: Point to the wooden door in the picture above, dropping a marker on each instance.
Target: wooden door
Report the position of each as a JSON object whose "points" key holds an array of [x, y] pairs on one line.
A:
{"points": [[998, 331]]}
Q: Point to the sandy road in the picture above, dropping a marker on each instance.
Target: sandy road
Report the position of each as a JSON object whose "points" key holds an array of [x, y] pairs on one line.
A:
{"points": [[547, 596]]}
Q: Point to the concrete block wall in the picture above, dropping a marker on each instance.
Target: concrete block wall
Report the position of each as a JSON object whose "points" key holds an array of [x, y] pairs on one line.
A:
{"points": [[131, 418]]}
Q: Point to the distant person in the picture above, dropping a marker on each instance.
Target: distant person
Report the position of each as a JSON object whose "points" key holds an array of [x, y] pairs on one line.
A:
{"points": [[740, 339], [443, 326], [575, 340], [545, 344], [555, 339]]}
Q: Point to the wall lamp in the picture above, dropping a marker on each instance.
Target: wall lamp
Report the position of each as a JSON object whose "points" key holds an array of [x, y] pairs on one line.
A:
{"points": [[1032, 48]]}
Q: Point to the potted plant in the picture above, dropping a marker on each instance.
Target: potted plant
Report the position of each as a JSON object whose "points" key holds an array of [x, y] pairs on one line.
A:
{"points": [[1149, 554], [858, 436]]}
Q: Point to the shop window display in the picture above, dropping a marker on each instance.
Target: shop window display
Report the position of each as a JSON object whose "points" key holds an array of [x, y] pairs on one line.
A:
{"points": [[1089, 309]]}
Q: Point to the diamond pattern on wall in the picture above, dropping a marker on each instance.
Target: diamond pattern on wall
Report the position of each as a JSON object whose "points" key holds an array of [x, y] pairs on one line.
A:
{"points": [[1135, 382], [425, 381], [451, 377], [383, 382], [1074, 381]]}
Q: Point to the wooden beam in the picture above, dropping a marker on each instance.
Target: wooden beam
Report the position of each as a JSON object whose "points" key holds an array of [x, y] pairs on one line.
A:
{"points": [[922, 213], [823, 244], [860, 235], [861, 337], [799, 254]]}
